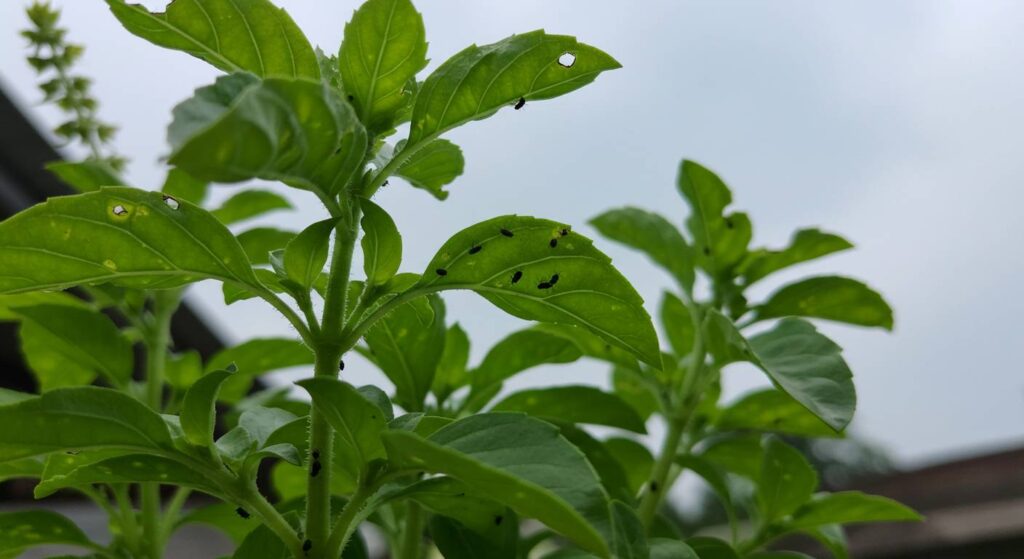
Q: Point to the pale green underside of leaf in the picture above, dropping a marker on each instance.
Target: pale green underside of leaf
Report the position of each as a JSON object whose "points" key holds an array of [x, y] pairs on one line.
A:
{"points": [[433, 166], [831, 298], [806, 244], [233, 35], [518, 274], [518, 461], [775, 411], [799, 359], [117, 235], [787, 480], [384, 47], [652, 234], [381, 243], [478, 81], [299, 132], [850, 507], [575, 404], [407, 346], [84, 176], [79, 418], [256, 357], [248, 204]]}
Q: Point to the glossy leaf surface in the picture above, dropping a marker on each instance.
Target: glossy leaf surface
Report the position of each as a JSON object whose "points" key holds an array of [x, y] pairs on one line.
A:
{"points": [[118, 235], [251, 35], [547, 273]]}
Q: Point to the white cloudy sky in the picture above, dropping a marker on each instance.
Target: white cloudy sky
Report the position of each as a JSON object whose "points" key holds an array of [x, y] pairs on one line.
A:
{"points": [[895, 123]]}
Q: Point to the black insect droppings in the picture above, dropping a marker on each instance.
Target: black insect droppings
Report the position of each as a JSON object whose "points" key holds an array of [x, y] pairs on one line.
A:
{"points": [[316, 454], [553, 243], [543, 285], [728, 224], [351, 98], [707, 251], [564, 232], [475, 249], [507, 233], [498, 519], [307, 545], [441, 272], [517, 276], [654, 487], [460, 494], [242, 512], [519, 104], [315, 468], [553, 280]]}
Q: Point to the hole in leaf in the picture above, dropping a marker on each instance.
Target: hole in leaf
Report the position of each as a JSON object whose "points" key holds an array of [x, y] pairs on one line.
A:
{"points": [[567, 60], [120, 210], [171, 202]]}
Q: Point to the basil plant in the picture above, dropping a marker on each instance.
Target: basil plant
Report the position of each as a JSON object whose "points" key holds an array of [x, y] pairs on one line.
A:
{"points": [[435, 462]]}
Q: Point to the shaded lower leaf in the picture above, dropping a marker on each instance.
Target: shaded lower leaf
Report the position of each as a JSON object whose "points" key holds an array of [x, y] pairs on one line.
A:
{"points": [[248, 204], [664, 548], [357, 420], [198, 408], [711, 548], [456, 541], [518, 461], [635, 458], [806, 244], [79, 418], [787, 481], [775, 411], [255, 357], [259, 242], [131, 468], [84, 176], [224, 517], [575, 404], [20, 530], [652, 234]]}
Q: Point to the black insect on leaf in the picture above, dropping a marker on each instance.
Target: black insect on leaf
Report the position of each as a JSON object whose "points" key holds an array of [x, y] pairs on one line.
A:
{"points": [[507, 233], [475, 249], [553, 243], [517, 276], [242, 512], [441, 272], [520, 103]]}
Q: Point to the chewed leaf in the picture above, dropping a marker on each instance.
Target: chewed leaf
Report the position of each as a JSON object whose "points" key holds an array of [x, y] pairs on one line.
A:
{"points": [[540, 270], [254, 36], [478, 81], [296, 131], [117, 235]]}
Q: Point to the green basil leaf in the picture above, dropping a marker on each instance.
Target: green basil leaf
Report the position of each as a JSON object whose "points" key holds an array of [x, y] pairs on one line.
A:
{"points": [[711, 548], [664, 548], [518, 352], [850, 507], [678, 324], [612, 475], [248, 204], [259, 242], [779, 555], [357, 420], [384, 47], [452, 498], [183, 369], [653, 235], [738, 454], [478, 81], [223, 517], [262, 543], [592, 345], [720, 241], [10, 302], [833, 538], [85, 340], [199, 408], [433, 166], [184, 186], [131, 468], [547, 273], [456, 541], [254, 358], [518, 461], [801, 361], [635, 458], [381, 242], [120, 235], [637, 391], [628, 540], [24, 468], [84, 176], [774, 411], [452, 371], [253, 36], [575, 404], [407, 346], [295, 131], [831, 298], [787, 481], [306, 254], [20, 530], [806, 244], [77, 419], [716, 479]]}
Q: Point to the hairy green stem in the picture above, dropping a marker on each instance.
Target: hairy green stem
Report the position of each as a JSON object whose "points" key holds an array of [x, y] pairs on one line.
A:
{"points": [[173, 510], [348, 520], [157, 340]]}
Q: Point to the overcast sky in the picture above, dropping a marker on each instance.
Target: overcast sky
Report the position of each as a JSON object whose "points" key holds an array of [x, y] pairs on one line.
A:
{"points": [[896, 124]]}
